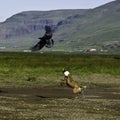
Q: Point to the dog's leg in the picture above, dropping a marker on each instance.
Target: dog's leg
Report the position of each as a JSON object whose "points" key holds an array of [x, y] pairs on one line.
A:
{"points": [[76, 91], [82, 91]]}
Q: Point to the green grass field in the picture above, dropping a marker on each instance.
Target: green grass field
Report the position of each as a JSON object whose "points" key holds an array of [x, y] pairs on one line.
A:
{"points": [[46, 69]]}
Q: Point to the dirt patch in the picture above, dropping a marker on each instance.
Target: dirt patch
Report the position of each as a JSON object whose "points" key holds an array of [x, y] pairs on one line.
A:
{"points": [[61, 92], [56, 103]]}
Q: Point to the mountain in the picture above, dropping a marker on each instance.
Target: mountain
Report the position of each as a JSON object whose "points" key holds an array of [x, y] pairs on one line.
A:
{"points": [[22, 30], [74, 30]]}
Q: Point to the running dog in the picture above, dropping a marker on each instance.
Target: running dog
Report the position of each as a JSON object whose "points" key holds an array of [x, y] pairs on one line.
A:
{"points": [[68, 81]]}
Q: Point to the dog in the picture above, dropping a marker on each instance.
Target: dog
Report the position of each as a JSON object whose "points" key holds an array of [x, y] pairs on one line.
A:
{"points": [[68, 81]]}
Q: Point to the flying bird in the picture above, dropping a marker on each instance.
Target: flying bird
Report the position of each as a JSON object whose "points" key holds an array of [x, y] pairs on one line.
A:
{"points": [[46, 40]]}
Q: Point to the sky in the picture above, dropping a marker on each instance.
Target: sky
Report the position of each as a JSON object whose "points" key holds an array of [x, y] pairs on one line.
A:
{"points": [[11, 7]]}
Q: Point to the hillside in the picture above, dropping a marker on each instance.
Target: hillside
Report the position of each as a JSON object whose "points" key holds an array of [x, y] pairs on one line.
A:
{"points": [[74, 30]]}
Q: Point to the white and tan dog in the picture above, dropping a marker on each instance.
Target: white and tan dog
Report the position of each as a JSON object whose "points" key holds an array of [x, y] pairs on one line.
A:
{"points": [[68, 81]]}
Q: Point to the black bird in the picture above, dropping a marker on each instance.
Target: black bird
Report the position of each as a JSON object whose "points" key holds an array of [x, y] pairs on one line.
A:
{"points": [[46, 40]]}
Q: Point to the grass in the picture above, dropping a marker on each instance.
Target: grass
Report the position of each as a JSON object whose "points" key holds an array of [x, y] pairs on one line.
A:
{"points": [[27, 68]]}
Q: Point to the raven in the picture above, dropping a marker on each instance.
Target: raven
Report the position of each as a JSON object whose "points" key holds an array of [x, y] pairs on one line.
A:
{"points": [[46, 40]]}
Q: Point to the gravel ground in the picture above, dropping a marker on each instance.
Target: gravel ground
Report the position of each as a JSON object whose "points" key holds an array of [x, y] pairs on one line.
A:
{"points": [[59, 104]]}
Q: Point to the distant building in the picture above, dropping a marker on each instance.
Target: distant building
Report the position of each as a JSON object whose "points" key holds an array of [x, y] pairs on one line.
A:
{"points": [[26, 50], [3, 47], [89, 50], [92, 50]]}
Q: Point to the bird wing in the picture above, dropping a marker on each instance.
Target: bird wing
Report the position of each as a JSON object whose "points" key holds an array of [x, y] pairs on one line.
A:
{"points": [[39, 45]]}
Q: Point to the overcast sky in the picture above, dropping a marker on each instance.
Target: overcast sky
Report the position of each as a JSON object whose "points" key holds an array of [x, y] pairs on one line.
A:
{"points": [[11, 7]]}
